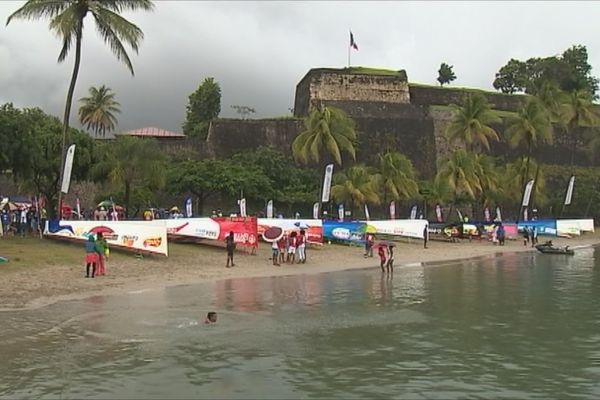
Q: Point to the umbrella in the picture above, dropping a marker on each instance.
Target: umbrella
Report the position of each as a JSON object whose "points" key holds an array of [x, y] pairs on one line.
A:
{"points": [[105, 204], [301, 225]]}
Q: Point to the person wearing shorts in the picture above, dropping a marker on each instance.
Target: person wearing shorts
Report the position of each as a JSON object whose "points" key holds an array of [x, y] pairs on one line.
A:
{"points": [[282, 252], [292, 248], [275, 253], [301, 246]]}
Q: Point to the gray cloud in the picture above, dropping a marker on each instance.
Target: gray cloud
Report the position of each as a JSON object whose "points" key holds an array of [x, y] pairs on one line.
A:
{"points": [[258, 51]]}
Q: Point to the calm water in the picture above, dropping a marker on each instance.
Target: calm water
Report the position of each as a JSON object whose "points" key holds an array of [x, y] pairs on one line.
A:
{"points": [[520, 326]]}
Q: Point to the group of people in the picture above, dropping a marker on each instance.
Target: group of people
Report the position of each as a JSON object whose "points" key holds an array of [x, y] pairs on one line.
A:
{"points": [[287, 247], [96, 252], [22, 221], [530, 234], [498, 235]]}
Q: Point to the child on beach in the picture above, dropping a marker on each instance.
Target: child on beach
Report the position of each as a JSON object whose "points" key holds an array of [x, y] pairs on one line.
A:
{"points": [[282, 251], [382, 259], [91, 256], [275, 252]]}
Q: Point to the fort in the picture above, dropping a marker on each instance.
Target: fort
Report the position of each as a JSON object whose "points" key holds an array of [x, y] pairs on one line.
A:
{"points": [[390, 114]]}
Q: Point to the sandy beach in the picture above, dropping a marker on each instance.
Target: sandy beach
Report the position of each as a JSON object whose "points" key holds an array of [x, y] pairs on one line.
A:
{"points": [[42, 272]]}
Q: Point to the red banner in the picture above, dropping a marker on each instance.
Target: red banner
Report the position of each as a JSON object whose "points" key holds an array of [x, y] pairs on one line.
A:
{"points": [[244, 230]]}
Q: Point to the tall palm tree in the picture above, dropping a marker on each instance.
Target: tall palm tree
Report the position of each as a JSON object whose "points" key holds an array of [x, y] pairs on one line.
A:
{"points": [[434, 191], [530, 127], [327, 129], [97, 111], [356, 185], [579, 112], [553, 100], [396, 177], [471, 123], [66, 20], [460, 173]]}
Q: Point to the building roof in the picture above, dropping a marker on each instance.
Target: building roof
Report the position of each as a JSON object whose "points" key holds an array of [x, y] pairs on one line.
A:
{"points": [[153, 132]]}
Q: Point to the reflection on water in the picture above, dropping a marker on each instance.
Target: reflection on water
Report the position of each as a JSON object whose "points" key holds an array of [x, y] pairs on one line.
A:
{"points": [[518, 326]]}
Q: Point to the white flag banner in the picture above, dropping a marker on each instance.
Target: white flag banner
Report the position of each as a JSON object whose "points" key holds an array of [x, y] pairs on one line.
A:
{"points": [[413, 212], [327, 183], [486, 214], [367, 215], [270, 209], [78, 209], [188, 207], [392, 210], [498, 214], [316, 210], [460, 216], [341, 212], [569, 195], [525, 216], [438, 213], [527, 193], [68, 168], [243, 207]]}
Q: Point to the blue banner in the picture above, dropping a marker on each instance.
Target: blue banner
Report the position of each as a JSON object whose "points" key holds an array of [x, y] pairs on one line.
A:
{"points": [[542, 227], [352, 232]]}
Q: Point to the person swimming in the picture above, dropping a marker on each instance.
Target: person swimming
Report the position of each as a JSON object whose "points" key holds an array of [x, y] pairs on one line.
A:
{"points": [[211, 318]]}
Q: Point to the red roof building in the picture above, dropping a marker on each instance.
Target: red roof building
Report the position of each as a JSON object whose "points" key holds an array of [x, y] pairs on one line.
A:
{"points": [[152, 132]]}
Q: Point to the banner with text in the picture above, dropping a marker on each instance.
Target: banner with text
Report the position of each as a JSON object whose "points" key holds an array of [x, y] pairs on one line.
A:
{"points": [[244, 229], [135, 236], [312, 227], [400, 227]]}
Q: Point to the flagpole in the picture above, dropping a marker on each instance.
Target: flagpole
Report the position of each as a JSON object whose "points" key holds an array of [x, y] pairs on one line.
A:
{"points": [[349, 48]]}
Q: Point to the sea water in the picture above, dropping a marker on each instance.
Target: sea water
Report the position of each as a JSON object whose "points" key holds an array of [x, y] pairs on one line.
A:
{"points": [[518, 326]]}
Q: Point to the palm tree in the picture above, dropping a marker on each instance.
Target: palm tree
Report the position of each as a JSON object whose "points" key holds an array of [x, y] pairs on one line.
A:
{"points": [[66, 20], [132, 162], [396, 177], [530, 127], [356, 185], [326, 129], [434, 191], [460, 174], [97, 111], [579, 112], [471, 123], [553, 100]]}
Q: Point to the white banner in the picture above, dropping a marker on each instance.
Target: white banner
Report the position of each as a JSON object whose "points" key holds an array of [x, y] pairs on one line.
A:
{"points": [[413, 212], [327, 183], [188, 207], [78, 209], [574, 226], [143, 236], [68, 168], [243, 207], [341, 212], [316, 210], [527, 193], [498, 214], [312, 227], [486, 214], [460, 216], [400, 227], [392, 210], [367, 215], [270, 209], [438, 213], [569, 195], [525, 215]]}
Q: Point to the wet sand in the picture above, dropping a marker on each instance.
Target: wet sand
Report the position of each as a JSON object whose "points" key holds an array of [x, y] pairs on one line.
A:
{"points": [[59, 275]]}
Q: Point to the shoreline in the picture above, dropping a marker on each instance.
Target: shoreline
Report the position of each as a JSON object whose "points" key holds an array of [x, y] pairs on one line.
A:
{"points": [[162, 274]]}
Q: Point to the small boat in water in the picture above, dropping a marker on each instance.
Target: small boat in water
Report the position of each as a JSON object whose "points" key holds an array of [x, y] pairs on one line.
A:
{"points": [[549, 248]]}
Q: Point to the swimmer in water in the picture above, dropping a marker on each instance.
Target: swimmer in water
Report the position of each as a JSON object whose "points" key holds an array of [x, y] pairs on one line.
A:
{"points": [[211, 318]]}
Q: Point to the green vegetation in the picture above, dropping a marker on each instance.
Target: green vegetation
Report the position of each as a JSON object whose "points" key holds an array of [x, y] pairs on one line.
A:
{"points": [[204, 105], [445, 74], [377, 71], [97, 111], [471, 123]]}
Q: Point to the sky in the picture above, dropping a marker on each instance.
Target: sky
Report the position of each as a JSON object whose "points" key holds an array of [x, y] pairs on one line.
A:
{"points": [[259, 51]]}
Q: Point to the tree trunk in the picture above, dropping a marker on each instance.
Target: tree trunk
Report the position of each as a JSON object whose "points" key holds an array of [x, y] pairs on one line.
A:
{"points": [[68, 103]]}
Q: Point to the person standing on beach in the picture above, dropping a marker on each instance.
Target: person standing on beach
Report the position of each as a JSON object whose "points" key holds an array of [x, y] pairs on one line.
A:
{"points": [[275, 253], [501, 234], [301, 245], [281, 247], [389, 266], [382, 259], [369, 239], [525, 236], [102, 250], [91, 256], [425, 235], [230, 246], [292, 248]]}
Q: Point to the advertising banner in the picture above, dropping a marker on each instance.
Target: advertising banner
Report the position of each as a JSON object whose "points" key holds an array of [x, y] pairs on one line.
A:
{"points": [[574, 226], [312, 227], [413, 212], [367, 215], [327, 183], [188, 207], [438, 213], [66, 179], [316, 210], [527, 193], [542, 227], [349, 231], [144, 236], [400, 227], [569, 195], [215, 229]]}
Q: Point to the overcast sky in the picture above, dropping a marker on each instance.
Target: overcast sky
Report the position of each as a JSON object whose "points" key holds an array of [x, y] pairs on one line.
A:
{"points": [[258, 51]]}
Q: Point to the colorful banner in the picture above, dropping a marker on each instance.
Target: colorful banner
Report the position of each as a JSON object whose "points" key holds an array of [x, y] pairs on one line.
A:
{"points": [[350, 232], [400, 227], [542, 227], [66, 179], [141, 236], [215, 229], [327, 183], [312, 227]]}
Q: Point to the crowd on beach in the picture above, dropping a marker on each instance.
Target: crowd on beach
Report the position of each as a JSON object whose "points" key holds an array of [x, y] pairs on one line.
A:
{"points": [[22, 220]]}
